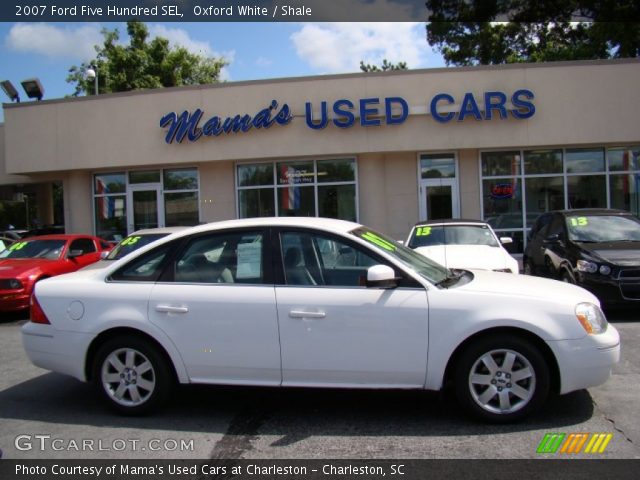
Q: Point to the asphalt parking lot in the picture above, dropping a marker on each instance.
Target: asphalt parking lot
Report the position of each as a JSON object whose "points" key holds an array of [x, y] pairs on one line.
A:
{"points": [[46, 415]]}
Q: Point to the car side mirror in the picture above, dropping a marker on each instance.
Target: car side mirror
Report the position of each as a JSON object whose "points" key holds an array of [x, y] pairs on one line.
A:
{"points": [[75, 253], [552, 239], [506, 240], [104, 254], [381, 276]]}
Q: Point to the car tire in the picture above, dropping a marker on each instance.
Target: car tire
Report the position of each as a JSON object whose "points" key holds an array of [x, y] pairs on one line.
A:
{"points": [[132, 374], [501, 379]]}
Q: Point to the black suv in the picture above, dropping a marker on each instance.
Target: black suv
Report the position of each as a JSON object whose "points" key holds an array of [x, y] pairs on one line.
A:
{"points": [[598, 249]]}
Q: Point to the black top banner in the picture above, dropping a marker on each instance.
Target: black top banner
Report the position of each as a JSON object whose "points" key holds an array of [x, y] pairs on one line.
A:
{"points": [[212, 10], [317, 10]]}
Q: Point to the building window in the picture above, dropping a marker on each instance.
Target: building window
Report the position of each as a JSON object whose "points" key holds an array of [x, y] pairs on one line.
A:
{"points": [[306, 188], [110, 205], [180, 190], [138, 193], [515, 193]]}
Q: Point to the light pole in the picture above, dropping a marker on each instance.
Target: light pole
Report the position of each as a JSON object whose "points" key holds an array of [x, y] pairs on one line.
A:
{"points": [[92, 72]]}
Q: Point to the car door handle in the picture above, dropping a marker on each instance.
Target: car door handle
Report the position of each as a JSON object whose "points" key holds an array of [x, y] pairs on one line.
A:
{"points": [[171, 309], [305, 314]]}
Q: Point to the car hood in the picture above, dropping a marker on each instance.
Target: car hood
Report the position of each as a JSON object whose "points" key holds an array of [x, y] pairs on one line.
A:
{"points": [[14, 267], [467, 256], [505, 284], [617, 253]]}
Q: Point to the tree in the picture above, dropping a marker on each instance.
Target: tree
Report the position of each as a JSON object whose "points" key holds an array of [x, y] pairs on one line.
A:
{"points": [[142, 64], [386, 66], [510, 31]]}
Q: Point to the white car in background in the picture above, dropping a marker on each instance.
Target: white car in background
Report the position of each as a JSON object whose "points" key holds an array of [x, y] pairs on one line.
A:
{"points": [[462, 244], [266, 301]]}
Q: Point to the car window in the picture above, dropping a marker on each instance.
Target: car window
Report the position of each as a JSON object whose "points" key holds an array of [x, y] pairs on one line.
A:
{"points": [[323, 260], [539, 228], [427, 236], [146, 268], [423, 266], [556, 227], [229, 257], [132, 243], [49, 249], [85, 245], [603, 228]]}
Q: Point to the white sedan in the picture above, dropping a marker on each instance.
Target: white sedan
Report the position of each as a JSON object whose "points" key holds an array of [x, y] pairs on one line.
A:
{"points": [[466, 244], [313, 302]]}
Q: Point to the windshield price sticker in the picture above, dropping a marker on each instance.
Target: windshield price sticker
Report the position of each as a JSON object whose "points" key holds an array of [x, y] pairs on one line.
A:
{"points": [[579, 221], [18, 246], [130, 240], [423, 231]]}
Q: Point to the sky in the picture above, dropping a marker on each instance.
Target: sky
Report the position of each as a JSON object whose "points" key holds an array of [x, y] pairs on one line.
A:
{"points": [[254, 50]]}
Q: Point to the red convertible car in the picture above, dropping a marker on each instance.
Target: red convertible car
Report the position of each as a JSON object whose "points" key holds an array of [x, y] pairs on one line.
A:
{"points": [[32, 259]]}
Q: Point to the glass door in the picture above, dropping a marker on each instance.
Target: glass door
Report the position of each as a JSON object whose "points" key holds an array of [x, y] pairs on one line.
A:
{"points": [[146, 209], [439, 199]]}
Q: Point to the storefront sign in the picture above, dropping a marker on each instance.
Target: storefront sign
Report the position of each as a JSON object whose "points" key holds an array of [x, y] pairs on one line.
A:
{"points": [[371, 111], [502, 190], [187, 124]]}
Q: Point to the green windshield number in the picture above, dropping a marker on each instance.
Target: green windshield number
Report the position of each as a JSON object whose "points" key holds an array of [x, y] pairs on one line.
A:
{"points": [[423, 231], [17, 246], [579, 222], [381, 242], [130, 241]]}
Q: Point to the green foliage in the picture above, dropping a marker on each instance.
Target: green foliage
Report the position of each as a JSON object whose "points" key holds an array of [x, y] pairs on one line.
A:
{"points": [[386, 66], [142, 64], [471, 32]]}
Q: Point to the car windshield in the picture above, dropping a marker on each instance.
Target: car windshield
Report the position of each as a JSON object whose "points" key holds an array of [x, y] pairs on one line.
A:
{"points": [[49, 249], [132, 243], [430, 235], [428, 269], [603, 228]]}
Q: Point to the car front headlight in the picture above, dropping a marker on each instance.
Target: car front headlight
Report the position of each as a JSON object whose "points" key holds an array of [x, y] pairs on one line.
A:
{"points": [[591, 318], [587, 266], [10, 284]]}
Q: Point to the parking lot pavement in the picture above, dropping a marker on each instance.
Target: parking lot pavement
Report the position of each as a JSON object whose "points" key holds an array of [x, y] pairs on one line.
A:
{"points": [[46, 415]]}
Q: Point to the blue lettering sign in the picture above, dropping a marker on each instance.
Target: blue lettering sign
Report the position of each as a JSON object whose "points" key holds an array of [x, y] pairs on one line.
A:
{"points": [[186, 124], [365, 121], [524, 109], [388, 110], [442, 118], [495, 101], [345, 118], [308, 109], [469, 107]]}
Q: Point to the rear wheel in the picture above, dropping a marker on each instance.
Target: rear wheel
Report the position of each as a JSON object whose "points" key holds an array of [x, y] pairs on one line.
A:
{"points": [[132, 375], [501, 379]]}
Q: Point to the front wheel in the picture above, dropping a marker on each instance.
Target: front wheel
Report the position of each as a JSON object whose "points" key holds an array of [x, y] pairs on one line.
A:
{"points": [[501, 379], [132, 375]]}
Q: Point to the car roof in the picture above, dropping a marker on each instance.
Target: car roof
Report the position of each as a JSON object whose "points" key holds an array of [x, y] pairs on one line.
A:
{"points": [[593, 211], [322, 223], [59, 236], [159, 230], [450, 221]]}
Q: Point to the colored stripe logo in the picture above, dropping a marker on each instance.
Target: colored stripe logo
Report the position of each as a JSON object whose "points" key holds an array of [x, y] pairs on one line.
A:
{"points": [[573, 443]]}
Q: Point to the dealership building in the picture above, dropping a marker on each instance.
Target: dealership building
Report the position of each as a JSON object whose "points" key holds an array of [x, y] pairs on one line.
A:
{"points": [[500, 143]]}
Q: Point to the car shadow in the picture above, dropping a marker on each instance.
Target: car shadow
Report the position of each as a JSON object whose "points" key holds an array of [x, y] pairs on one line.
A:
{"points": [[291, 413]]}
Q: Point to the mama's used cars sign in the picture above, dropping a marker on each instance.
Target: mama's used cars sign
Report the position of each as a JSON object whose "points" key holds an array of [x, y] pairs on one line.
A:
{"points": [[344, 113]]}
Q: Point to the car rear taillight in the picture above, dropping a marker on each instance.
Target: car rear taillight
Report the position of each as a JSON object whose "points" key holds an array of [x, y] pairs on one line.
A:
{"points": [[36, 313]]}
